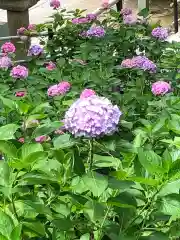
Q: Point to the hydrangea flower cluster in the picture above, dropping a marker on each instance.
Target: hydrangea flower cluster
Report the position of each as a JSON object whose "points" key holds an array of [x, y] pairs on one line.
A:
{"points": [[91, 16], [20, 94], [35, 50], [5, 62], [87, 93], [130, 19], [94, 31], [59, 89], [21, 31], [51, 66], [160, 33], [31, 27], [160, 88], [8, 47], [80, 20], [55, 4], [19, 72], [126, 11], [140, 62], [92, 117]]}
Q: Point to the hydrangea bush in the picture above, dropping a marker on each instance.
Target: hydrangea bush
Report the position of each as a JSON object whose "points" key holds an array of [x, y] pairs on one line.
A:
{"points": [[90, 131]]}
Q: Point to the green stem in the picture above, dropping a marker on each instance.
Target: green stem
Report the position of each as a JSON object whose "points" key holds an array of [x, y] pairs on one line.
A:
{"points": [[14, 208], [90, 154]]}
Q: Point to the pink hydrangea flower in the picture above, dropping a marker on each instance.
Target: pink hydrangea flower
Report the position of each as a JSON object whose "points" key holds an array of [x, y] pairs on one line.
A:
{"points": [[19, 72], [160, 88], [42, 139], [59, 89], [5, 62], [64, 87], [21, 31], [55, 4], [22, 140], [51, 66], [8, 47], [130, 19], [105, 4], [20, 94], [31, 27], [87, 93]]}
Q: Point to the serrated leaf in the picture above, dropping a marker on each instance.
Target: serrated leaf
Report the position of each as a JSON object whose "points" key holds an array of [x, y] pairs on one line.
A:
{"points": [[63, 141], [95, 182], [46, 129], [6, 224], [40, 108], [8, 148], [170, 188], [106, 161], [28, 149], [35, 227]]}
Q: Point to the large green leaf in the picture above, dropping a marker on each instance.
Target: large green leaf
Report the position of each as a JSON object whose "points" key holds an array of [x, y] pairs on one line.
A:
{"points": [[95, 182], [35, 227], [106, 161], [63, 141], [6, 224], [28, 149], [119, 184], [16, 233], [63, 223], [150, 161], [170, 205], [85, 236], [8, 103], [46, 129], [94, 211], [7, 131], [40, 108], [8, 148], [170, 188]]}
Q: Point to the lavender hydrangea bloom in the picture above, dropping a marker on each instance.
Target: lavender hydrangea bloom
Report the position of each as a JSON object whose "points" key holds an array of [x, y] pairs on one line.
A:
{"points": [[160, 33], [35, 50], [144, 63], [5, 62], [130, 19], [91, 16], [96, 31], [126, 11], [92, 117], [140, 62]]}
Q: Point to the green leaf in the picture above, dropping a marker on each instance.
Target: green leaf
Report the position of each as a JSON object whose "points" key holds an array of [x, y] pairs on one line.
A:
{"points": [[63, 224], [106, 161], [35, 227], [144, 12], [36, 178], [7, 131], [94, 211], [8, 148], [63, 141], [8, 103], [16, 233], [28, 149], [95, 182], [40, 108], [85, 237], [39, 207], [170, 188], [146, 181], [6, 224], [22, 107], [121, 185], [5, 174], [46, 129], [170, 205], [150, 161], [166, 160], [123, 200]]}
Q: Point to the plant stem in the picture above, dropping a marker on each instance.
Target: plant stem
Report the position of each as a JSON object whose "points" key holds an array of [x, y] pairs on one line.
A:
{"points": [[90, 154], [14, 208]]}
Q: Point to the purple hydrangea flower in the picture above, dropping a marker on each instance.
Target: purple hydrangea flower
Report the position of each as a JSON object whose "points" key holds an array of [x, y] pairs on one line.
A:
{"points": [[92, 117], [5, 62], [160, 33], [160, 88], [126, 11], [140, 62], [80, 20], [130, 19], [35, 50], [19, 72], [96, 31], [91, 16]]}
